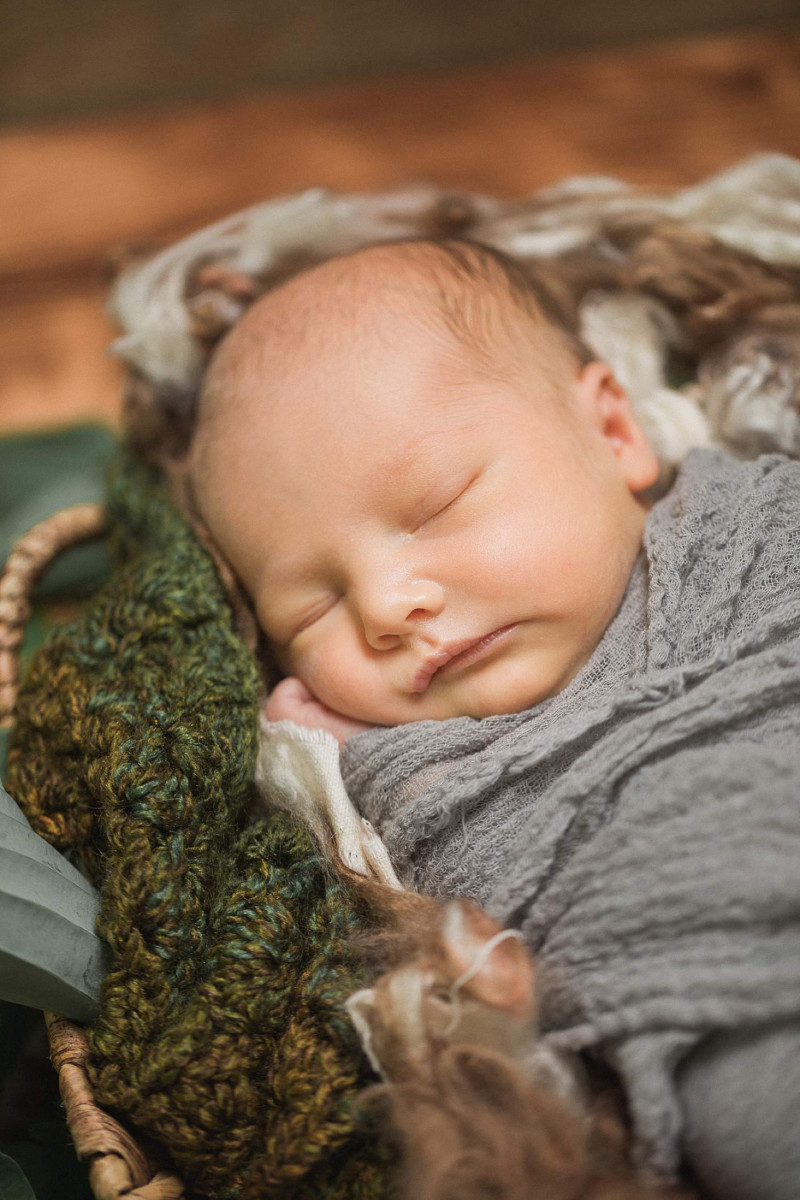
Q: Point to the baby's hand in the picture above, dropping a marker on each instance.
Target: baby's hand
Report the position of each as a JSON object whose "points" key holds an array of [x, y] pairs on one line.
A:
{"points": [[292, 701]]}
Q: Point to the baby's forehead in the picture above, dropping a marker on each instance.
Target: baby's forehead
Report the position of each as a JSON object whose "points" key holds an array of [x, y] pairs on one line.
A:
{"points": [[370, 295], [395, 277], [369, 356]]}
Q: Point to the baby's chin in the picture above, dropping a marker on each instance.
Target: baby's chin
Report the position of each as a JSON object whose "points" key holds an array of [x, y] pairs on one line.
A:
{"points": [[506, 688]]}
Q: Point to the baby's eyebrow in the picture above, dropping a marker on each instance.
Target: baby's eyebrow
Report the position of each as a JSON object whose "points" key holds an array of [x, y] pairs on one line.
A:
{"points": [[408, 457], [420, 462]]}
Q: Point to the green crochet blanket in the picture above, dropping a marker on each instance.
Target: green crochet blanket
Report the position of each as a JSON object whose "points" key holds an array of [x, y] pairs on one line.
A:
{"points": [[221, 1034]]}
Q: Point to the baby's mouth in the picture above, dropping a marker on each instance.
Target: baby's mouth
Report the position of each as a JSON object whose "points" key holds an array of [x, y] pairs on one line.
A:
{"points": [[458, 654]]}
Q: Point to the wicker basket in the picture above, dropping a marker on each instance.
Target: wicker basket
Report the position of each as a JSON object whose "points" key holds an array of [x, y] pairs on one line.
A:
{"points": [[118, 1167]]}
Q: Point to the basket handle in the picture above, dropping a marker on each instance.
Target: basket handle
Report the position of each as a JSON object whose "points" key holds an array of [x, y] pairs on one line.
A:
{"points": [[29, 557], [118, 1168]]}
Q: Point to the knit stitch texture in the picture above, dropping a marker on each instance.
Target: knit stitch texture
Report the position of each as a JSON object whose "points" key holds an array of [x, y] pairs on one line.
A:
{"points": [[221, 1034]]}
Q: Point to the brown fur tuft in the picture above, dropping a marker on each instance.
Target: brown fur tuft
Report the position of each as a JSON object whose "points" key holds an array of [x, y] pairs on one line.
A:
{"points": [[477, 1109], [477, 1130]]}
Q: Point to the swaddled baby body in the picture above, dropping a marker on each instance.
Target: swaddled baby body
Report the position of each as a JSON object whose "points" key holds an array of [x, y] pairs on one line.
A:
{"points": [[435, 501]]}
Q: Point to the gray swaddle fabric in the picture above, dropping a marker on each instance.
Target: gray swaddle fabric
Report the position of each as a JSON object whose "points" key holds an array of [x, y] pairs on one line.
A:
{"points": [[642, 826]]}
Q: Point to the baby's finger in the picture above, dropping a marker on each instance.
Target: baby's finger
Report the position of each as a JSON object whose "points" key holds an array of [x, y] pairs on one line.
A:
{"points": [[294, 689], [287, 698]]}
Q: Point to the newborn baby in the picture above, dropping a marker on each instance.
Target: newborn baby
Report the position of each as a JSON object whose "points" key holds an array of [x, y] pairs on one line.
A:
{"points": [[429, 491], [435, 501]]}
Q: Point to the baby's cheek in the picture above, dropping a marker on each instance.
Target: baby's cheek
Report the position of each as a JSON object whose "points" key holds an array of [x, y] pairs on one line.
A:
{"points": [[507, 550], [326, 669]]}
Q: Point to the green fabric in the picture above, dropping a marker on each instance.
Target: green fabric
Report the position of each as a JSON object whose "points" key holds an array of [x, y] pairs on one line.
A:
{"points": [[43, 472], [221, 1033]]}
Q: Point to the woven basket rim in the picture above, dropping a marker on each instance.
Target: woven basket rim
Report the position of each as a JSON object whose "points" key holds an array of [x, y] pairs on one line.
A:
{"points": [[118, 1167]]}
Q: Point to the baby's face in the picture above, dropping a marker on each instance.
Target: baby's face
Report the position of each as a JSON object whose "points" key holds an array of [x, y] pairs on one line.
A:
{"points": [[423, 537]]}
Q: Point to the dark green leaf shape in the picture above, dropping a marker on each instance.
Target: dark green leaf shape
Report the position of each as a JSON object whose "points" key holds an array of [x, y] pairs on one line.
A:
{"points": [[13, 1184], [50, 956]]}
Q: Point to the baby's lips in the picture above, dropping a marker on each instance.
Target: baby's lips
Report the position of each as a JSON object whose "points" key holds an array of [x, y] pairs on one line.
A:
{"points": [[442, 658], [423, 675]]}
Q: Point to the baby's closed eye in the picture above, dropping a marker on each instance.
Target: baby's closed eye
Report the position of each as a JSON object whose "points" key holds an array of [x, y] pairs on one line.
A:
{"points": [[448, 504], [319, 610]]}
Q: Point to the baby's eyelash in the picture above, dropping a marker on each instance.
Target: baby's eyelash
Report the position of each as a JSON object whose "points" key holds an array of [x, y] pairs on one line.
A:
{"points": [[445, 507], [314, 616]]}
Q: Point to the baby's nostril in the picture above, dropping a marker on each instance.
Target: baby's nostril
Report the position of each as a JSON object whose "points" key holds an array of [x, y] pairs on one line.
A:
{"points": [[381, 641]]}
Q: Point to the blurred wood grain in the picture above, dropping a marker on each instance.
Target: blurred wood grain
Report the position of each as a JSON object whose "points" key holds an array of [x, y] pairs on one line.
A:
{"points": [[104, 56], [71, 195]]}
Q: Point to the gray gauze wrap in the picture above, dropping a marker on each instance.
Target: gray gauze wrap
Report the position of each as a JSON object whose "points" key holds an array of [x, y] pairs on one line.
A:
{"points": [[642, 826]]}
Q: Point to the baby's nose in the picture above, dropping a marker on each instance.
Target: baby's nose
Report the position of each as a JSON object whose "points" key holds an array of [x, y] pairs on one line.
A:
{"points": [[388, 616]]}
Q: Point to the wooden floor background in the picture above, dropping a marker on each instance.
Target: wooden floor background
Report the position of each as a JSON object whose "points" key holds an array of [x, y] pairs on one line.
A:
{"points": [[72, 196]]}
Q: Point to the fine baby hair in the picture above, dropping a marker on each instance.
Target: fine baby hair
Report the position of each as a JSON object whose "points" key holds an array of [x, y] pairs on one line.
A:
{"points": [[706, 276], [466, 281]]}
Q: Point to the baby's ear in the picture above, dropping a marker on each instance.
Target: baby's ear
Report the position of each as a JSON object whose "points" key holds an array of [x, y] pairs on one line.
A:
{"points": [[608, 408]]}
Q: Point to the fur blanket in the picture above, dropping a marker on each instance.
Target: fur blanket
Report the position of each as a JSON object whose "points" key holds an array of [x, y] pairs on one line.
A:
{"points": [[641, 826]]}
